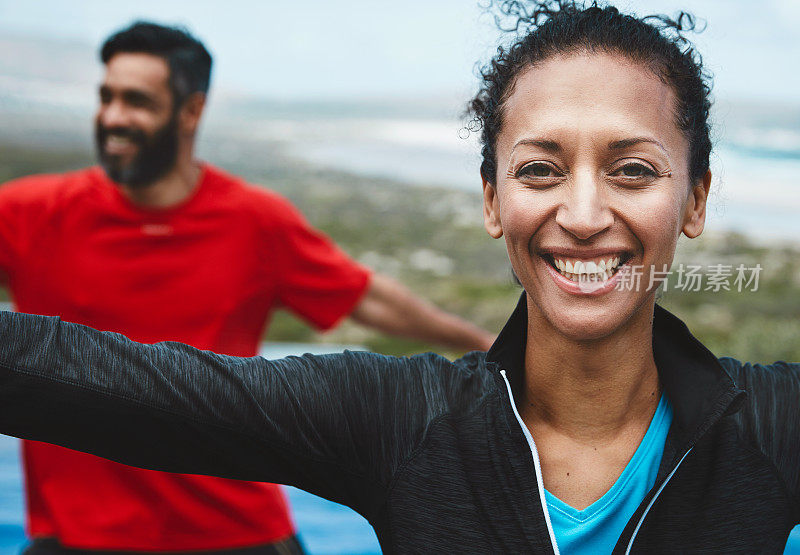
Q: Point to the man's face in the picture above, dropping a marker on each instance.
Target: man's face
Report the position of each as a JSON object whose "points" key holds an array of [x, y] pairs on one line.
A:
{"points": [[136, 125]]}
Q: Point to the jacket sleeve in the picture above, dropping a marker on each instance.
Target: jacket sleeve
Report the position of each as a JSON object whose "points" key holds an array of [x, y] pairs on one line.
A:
{"points": [[770, 417], [335, 425]]}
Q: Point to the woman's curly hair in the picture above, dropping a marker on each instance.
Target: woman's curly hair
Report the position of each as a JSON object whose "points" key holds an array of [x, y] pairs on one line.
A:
{"points": [[546, 28]]}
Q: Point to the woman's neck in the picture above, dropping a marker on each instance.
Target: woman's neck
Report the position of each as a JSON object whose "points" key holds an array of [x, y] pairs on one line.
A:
{"points": [[593, 389]]}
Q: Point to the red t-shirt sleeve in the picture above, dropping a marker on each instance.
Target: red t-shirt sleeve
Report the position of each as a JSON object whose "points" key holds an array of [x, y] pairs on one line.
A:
{"points": [[7, 234], [316, 279], [13, 207], [27, 205]]}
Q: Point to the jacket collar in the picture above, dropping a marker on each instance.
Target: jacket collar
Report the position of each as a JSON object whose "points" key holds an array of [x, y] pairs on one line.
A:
{"points": [[696, 384]]}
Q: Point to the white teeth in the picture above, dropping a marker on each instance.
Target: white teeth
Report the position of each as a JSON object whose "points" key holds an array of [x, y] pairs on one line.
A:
{"points": [[579, 270]]}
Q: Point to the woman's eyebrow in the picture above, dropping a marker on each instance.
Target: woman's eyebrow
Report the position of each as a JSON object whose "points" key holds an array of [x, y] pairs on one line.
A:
{"points": [[544, 144], [625, 143]]}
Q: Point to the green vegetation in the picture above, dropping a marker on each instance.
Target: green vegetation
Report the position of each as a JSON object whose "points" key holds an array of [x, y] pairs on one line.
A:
{"points": [[759, 326], [16, 161], [432, 240]]}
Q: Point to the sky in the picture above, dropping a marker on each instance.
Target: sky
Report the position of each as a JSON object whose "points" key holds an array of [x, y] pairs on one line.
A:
{"points": [[319, 49]]}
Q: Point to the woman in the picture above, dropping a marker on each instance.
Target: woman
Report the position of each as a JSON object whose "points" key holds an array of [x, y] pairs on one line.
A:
{"points": [[595, 155]]}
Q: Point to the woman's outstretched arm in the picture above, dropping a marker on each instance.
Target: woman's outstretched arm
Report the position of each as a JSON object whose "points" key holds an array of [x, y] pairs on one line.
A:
{"points": [[335, 425]]}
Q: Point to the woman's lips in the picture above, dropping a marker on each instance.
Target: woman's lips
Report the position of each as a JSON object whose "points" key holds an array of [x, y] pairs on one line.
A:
{"points": [[584, 282]]}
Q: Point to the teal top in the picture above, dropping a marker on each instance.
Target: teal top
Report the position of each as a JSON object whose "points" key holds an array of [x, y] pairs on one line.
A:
{"points": [[597, 528]]}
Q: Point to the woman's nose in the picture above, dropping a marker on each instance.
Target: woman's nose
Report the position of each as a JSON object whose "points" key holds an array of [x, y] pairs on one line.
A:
{"points": [[584, 211]]}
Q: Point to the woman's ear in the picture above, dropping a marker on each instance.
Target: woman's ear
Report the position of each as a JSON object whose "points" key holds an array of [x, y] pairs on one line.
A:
{"points": [[694, 217], [491, 210]]}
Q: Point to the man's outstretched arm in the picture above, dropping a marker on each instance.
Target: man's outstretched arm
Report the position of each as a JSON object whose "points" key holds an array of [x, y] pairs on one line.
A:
{"points": [[391, 308], [317, 281]]}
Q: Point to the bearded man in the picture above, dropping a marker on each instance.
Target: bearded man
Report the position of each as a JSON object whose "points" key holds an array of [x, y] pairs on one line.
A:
{"points": [[159, 246]]}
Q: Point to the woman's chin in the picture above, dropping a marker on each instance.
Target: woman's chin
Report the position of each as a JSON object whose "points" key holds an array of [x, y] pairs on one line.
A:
{"points": [[580, 330], [584, 322]]}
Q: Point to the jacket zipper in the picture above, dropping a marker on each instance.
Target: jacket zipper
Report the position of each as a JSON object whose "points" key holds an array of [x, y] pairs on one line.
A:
{"points": [[653, 500], [537, 465]]}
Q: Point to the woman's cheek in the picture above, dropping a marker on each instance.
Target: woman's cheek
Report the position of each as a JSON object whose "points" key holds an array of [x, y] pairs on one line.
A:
{"points": [[655, 219], [523, 211]]}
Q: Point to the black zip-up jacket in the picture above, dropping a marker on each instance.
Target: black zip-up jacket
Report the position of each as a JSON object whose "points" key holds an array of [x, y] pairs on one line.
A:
{"points": [[431, 452]]}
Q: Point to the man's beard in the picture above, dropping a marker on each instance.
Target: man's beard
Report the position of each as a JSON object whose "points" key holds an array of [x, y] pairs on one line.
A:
{"points": [[155, 157]]}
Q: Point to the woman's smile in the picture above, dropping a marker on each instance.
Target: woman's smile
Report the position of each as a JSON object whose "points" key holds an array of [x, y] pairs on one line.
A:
{"points": [[594, 272]]}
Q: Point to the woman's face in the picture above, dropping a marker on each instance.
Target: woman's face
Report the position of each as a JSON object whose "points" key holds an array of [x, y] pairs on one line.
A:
{"points": [[592, 188]]}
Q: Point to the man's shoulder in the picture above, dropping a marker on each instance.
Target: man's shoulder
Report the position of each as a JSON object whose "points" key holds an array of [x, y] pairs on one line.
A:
{"points": [[264, 203], [47, 186]]}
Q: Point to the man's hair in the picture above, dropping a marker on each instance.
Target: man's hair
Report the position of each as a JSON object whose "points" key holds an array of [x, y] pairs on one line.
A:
{"points": [[188, 60]]}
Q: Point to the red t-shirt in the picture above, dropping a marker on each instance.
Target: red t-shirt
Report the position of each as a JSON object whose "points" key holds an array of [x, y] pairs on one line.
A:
{"points": [[208, 273]]}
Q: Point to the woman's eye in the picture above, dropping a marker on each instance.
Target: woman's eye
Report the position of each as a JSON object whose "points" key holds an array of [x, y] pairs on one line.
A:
{"points": [[635, 170], [538, 169]]}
